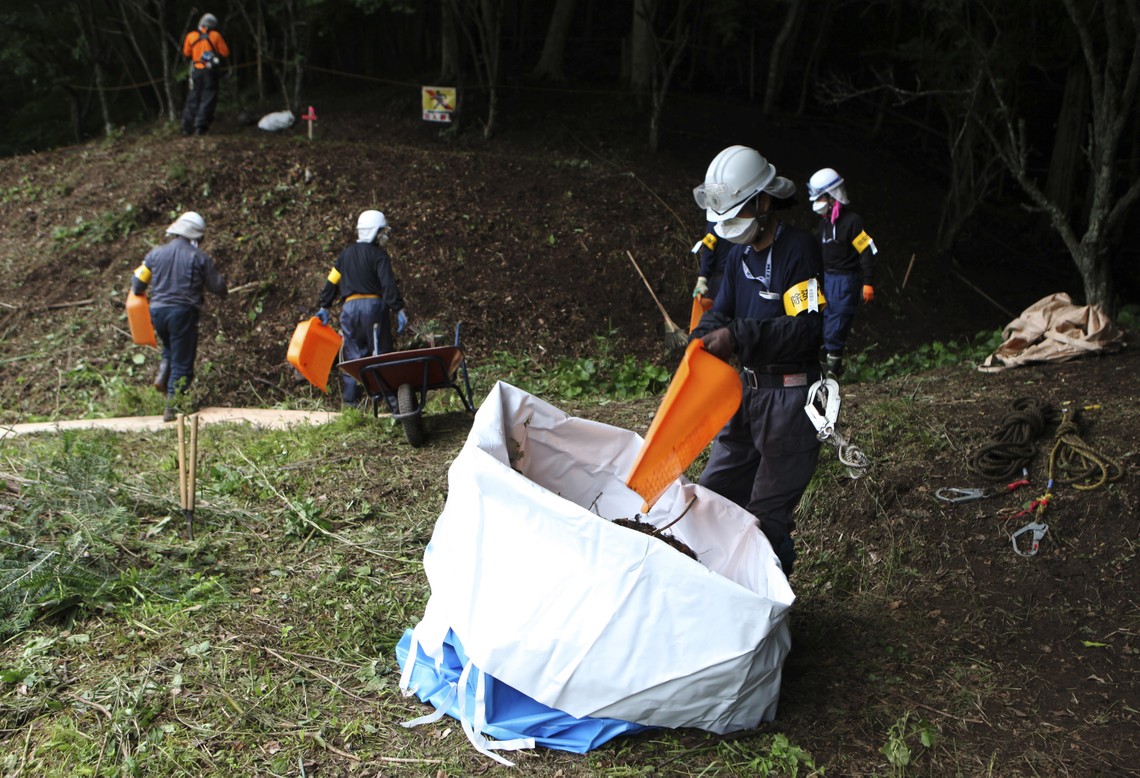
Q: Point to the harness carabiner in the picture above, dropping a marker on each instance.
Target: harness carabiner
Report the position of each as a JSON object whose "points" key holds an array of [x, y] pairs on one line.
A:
{"points": [[1038, 531], [823, 416], [957, 494]]}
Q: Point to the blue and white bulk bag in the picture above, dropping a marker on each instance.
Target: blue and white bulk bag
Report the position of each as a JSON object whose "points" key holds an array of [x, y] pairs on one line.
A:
{"points": [[584, 616]]}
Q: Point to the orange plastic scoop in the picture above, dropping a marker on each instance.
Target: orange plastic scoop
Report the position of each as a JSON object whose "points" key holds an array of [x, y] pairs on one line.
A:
{"points": [[138, 317], [313, 350], [703, 395], [701, 305]]}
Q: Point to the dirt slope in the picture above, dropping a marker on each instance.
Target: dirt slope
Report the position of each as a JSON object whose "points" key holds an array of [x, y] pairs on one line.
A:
{"points": [[1032, 661]]}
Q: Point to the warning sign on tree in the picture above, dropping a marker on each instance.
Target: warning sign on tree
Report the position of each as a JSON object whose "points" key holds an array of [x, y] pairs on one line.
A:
{"points": [[438, 103]]}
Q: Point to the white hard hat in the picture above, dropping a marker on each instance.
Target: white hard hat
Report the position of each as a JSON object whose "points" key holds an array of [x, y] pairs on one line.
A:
{"points": [[369, 223], [189, 225], [826, 181], [733, 177], [209, 21]]}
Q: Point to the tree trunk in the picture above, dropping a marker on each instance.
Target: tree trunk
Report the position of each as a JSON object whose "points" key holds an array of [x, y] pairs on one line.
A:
{"points": [[1061, 185], [448, 44], [778, 59], [549, 67], [642, 63]]}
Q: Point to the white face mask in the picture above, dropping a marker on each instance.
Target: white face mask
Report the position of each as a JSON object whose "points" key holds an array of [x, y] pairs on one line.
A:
{"points": [[739, 230], [820, 206]]}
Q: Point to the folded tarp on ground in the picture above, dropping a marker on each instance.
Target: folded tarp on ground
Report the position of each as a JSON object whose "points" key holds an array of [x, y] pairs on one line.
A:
{"points": [[587, 617], [1053, 329]]}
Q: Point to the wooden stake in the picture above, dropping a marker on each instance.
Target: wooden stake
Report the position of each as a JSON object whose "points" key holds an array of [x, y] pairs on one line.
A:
{"points": [[996, 304], [181, 461], [908, 267]]}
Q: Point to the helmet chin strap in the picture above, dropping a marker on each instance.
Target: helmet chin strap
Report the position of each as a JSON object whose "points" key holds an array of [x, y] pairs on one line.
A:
{"points": [[764, 231]]}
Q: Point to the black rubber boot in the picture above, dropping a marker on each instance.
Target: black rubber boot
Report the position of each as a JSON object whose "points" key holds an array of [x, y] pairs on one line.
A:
{"points": [[162, 376], [169, 414], [834, 365]]}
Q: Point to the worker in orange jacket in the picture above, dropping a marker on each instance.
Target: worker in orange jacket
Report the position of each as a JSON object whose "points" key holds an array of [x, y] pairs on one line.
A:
{"points": [[205, 48]]}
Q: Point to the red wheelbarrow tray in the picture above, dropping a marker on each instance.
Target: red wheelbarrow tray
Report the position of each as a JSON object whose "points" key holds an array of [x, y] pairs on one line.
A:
{"points": [[423, 369]]}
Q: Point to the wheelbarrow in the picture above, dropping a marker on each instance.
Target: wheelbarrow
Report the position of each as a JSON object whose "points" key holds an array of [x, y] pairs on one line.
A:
{"points": [[402, 379]]}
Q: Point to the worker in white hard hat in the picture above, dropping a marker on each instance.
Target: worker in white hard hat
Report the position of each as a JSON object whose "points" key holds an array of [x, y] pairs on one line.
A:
{"points": [[768, 316], [848, 263], [362, 277], [173, 277], [206, 49]]}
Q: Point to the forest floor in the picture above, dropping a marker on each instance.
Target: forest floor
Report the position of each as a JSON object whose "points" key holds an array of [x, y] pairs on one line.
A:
{"points": [[913, 615]]}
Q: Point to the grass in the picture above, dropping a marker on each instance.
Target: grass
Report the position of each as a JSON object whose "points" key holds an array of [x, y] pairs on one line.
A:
{"points": [[265, 646]]}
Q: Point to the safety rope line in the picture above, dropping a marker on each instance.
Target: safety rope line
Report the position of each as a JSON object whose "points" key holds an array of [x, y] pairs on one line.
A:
{"points": [[1010, 451], [1073, 461]]}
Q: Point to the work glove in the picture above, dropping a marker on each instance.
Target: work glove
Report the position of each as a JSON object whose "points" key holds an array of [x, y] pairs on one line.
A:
{"points": [[719, 343], [702, 287], [323, 315], [401, 322], [868, 293]]}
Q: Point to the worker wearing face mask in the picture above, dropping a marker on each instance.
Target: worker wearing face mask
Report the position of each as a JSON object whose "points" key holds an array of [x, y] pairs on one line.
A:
{"points": [[768, 316], [362, 277], [848, 263]]}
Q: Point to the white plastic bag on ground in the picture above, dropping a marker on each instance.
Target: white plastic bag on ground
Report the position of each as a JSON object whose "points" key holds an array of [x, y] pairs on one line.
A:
{"points": [[276, 121], [589, 617]]}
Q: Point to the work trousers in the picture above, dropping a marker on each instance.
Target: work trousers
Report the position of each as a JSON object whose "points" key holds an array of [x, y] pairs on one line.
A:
{"points": [[362, 338], [764, 459], [844, 293], [201, 100], [177, 329]]}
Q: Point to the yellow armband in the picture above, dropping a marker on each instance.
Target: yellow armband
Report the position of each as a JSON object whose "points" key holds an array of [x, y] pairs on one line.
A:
{"points": [[710, 242], [862, 241], [805, 296], [334, 276], [142, 273]]}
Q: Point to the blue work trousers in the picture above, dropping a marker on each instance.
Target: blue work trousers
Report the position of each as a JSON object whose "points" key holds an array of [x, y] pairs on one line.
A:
{"points": [[367, 330], [764, 459], [177, 329], [844, 293]]}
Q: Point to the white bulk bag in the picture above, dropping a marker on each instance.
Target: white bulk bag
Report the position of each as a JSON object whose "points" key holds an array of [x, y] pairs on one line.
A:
{"points": [[589, 617]]}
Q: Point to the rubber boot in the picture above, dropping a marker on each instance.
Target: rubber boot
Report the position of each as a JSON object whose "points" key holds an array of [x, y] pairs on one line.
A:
{"points": [[162, 376], [169, 414], [834, 365]]}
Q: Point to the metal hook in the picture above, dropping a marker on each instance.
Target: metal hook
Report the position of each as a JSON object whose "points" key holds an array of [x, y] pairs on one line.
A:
{"points": [[1038, 531]]}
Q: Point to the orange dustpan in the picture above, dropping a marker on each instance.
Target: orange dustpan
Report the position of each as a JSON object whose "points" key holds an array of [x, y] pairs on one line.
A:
{"points": [[703, 395], [701, 306], [313, 349]]}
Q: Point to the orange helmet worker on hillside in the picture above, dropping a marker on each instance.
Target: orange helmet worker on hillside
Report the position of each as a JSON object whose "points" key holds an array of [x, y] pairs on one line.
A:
{"points": [[205, 48]]}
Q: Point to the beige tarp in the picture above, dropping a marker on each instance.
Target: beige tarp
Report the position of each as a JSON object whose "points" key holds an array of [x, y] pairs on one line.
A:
{"points": [[1054, 330]]}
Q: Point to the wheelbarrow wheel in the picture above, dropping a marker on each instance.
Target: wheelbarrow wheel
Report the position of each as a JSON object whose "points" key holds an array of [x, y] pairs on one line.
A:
{"points": [[413, 422]]}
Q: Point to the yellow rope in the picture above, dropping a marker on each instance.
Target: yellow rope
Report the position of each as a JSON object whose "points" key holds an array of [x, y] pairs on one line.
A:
{"points": [[1073, 461]]}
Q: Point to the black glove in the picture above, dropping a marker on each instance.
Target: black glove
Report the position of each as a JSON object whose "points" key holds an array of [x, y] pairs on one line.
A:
{"points": [[719, 343]]}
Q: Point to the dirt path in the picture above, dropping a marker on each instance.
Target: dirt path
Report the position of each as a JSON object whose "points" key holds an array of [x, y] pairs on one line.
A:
{"points": [[259, 417]]}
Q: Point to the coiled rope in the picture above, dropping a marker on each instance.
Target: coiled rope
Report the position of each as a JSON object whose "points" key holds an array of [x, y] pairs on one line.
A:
{"points": [[1073, 461], [1004, 456]]}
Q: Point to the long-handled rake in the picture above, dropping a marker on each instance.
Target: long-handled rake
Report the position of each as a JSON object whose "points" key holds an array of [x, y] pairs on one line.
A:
{"points": [[674, 335]]}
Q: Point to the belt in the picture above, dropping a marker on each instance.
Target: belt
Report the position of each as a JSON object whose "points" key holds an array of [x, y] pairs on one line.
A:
{"points": [[362, 297], [764, 378]]}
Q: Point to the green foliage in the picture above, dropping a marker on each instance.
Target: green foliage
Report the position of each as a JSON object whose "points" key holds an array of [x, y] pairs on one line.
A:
{"points": [[862, 368], [1129, 316], [603, 375], [902, 737], [104, 228], [781, 758]]}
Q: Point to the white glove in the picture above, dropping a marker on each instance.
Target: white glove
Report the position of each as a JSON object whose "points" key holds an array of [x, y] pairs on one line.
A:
{"points": [[702, 287]]}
